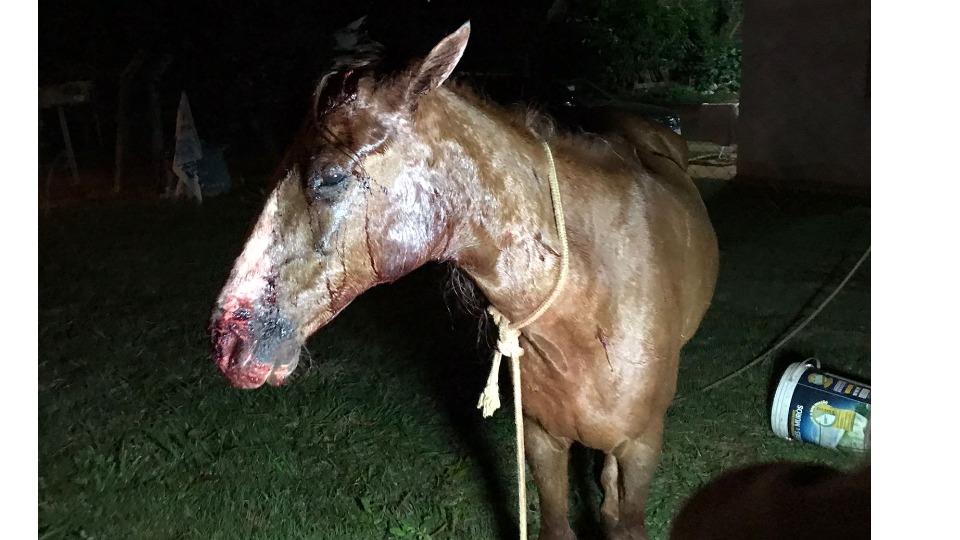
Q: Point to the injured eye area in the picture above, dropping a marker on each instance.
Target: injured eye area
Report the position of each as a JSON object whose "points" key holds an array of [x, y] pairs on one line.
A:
{"points": [[324, 184]]}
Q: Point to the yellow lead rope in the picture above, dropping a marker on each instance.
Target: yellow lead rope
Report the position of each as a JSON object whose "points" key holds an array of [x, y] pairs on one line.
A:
{"points": [[508, 344]]}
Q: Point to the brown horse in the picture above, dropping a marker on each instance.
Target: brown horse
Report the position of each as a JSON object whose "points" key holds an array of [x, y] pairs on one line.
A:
{"points": [[393, 171]]}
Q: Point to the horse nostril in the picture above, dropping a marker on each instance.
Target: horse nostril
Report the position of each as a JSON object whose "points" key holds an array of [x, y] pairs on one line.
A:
{"points": [[225, 345]]}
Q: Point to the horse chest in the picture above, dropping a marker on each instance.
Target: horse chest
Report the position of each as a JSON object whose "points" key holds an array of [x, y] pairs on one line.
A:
{"points": [[582, 390]]}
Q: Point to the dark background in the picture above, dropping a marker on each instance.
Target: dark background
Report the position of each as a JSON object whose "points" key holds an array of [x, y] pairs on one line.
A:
{"points": [[248, 67]]}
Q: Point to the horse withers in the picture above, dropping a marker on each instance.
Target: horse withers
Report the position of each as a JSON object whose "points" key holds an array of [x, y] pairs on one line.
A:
{"points": [[391, 171]]}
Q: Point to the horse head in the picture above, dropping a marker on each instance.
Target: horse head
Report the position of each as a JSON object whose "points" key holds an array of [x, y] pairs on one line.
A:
{"points": [[354, 205]]}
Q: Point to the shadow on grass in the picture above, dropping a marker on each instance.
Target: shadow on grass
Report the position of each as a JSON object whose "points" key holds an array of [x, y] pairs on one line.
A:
{"points": [[741, 211], [450, 356], [586, 464]]}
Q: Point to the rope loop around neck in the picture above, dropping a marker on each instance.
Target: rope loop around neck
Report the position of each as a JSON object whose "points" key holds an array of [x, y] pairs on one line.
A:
{"points": [[508, 344], [508, 341]]}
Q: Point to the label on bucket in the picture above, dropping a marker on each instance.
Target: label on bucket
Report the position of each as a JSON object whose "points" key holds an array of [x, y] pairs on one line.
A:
{"points": [[830, 411]]}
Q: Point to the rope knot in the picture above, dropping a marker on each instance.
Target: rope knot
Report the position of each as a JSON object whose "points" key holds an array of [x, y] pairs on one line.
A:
{"points": [[508, 344], [508, 337]]}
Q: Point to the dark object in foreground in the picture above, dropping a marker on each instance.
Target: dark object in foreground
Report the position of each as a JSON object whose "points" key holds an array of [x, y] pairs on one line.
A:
{"points": [[786, 501]]}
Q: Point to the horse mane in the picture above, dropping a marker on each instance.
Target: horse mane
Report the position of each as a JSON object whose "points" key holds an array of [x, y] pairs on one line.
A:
{"points": [[369, 58], [528, 118]]}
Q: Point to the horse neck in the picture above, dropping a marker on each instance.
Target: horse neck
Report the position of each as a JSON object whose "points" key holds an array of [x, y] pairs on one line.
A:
{"points": [[505, 237]]}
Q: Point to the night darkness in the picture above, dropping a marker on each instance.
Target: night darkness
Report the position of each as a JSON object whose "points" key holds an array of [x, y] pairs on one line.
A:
{"points": [[248, 67]]}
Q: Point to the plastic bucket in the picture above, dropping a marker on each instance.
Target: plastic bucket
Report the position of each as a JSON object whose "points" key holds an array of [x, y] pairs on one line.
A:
{"points": [[817, 407]]}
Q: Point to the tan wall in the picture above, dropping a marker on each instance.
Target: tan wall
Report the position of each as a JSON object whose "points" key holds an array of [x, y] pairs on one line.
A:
{"points": [[805, 98]]}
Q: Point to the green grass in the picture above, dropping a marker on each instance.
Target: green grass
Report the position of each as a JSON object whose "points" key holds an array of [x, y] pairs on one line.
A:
{"points": [[378, 436]]}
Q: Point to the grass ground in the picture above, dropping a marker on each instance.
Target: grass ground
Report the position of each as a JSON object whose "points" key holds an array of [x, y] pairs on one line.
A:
{"points": [[378, 436]]}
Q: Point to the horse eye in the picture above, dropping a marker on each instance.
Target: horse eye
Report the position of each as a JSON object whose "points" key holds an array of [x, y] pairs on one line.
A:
{"points": [[332, 178], [321, 182]]}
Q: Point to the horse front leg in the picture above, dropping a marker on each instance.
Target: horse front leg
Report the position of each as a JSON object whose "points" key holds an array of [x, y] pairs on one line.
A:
{"points": [[548, 457], [637, 459]]}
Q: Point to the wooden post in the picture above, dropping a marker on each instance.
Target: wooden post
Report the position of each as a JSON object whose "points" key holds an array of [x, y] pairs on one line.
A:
{"points": [[125, 82], [71, 159], [156, 119]]}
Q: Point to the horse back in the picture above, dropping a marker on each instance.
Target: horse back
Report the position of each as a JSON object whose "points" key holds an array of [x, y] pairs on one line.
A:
{"points": [[640, 133], [646, 171]]}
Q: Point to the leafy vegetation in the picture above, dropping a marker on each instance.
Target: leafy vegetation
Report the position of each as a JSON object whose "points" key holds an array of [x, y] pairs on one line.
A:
{"points": [[638, 45]]}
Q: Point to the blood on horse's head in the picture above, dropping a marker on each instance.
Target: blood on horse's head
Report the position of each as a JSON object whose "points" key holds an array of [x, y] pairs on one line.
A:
{"points": [[392, 170], [355, 206]]}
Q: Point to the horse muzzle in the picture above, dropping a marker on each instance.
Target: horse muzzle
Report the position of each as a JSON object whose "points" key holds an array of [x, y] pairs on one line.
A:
{"points": [[253, 345]]}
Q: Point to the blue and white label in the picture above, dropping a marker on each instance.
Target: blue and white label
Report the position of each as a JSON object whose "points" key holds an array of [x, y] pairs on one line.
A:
{"points": [[830, 411]]}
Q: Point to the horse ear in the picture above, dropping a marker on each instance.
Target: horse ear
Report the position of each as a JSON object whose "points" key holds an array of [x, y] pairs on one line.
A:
{"points": [[334, 88], [430, 73]]}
